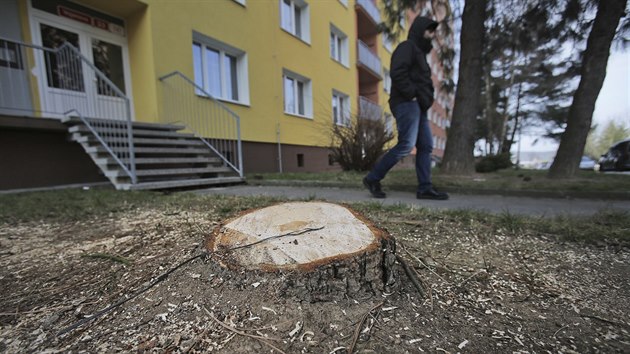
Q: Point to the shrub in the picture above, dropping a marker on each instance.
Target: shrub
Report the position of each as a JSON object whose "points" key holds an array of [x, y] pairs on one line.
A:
{"points": [[493, 163], [357, 147]]}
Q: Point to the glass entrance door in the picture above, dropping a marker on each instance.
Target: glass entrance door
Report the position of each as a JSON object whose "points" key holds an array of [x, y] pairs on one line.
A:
{"points": [[93, 83]]}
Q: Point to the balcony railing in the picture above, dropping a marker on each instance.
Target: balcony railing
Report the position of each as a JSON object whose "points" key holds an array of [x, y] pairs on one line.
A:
{"points": [[371, 9], [369, 110], [368, 59]]}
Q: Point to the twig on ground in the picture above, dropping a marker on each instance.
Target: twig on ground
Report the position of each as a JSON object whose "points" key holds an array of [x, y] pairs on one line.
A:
{"points": [[166, 274], [124, 300], [259, 338], [357, 331], [561, 328], [604, 320], [292, 233], [472, 276], [410, 275], [423, 264], [109, 257]]}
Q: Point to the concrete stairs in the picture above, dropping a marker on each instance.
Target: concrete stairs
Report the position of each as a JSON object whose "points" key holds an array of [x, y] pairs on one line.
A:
{"points": [[165, 157]]}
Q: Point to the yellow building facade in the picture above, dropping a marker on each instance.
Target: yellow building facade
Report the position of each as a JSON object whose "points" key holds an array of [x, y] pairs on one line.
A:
{"points": [[316, 44], [287, 69]]}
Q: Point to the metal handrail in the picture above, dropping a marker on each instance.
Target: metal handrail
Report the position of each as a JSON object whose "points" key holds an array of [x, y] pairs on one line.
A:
{"points": [[64, 58], [203, 124], [107, 148]]}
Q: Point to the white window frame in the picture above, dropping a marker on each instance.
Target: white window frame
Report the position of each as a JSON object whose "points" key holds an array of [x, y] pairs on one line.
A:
{"points": [[339, 46], [387, 81], [242, 75], [341, 116], [303, 31], [307, 92]]}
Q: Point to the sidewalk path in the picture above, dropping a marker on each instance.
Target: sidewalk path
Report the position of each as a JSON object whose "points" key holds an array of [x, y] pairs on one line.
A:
{"points": [[490, 203]]}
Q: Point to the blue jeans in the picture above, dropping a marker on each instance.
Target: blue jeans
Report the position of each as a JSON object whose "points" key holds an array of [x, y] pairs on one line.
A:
{"points": [[413, 130]]}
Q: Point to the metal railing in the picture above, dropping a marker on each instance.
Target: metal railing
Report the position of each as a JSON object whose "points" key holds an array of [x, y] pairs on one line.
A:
{"points": [[369, 110], [203, 115], [371, 9], [369, 59], [61, 83]]}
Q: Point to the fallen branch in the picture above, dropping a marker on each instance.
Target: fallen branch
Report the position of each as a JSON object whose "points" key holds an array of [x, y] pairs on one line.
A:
{"points": [[410, 275], [166, 274], [122, 301], [357, 331], [259, 338]]}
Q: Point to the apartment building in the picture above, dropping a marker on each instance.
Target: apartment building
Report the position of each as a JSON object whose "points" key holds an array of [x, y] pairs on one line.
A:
{"points": [[144, 93]]}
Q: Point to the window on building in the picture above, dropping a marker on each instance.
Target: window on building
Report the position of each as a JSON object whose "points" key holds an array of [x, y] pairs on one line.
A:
{"points": [[220, 70], [344, 2], [341, 108], [242, 2], [338, 45], [389, 123], [300, 160], [403, 19], [387, 42], [294, 18], [387, 81], [297, 94]]}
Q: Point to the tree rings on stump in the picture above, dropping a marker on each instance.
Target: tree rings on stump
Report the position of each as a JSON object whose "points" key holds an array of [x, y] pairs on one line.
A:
{"points": [[325, 251]]}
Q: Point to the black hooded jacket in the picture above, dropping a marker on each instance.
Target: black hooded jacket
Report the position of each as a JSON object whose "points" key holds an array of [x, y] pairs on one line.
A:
{"points": [[409, 70]]}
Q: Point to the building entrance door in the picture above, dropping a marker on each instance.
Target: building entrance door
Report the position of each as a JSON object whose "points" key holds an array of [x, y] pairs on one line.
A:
{"points": [[94, 83]]}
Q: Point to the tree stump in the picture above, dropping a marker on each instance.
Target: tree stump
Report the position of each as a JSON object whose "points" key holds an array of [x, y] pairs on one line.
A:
{"points": [[323, 251]]}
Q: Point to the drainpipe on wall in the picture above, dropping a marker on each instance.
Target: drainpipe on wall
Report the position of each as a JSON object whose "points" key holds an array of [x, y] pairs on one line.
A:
{"points": [[279, 148]]}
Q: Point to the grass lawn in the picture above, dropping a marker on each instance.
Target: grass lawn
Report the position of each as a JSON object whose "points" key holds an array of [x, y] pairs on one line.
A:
{"points": [[74, 204], [586, 183]]}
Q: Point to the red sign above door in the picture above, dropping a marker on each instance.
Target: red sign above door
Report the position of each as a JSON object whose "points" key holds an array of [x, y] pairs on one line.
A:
{"points": [[90, 20]]}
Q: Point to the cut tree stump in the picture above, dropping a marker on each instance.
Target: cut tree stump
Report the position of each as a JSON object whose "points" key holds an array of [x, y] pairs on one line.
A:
{"points": [[324, 251]]}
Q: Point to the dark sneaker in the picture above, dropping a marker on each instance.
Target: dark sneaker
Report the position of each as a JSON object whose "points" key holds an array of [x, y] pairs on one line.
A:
{"points": [[374, 188], [432, 194]]}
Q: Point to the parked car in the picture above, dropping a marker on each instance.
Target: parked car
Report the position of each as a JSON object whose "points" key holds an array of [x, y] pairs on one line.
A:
{"points": [[587, 163], [617, 158]]}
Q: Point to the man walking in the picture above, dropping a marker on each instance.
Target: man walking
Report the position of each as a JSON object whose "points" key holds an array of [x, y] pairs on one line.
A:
{"points": [[411, 98]]}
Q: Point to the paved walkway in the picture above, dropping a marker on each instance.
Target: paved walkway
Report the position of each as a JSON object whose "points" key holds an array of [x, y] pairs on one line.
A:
{"points": [[490, 203]]}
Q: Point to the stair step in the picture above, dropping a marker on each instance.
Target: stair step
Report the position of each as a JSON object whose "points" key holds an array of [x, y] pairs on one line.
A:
{"points": [[171, 171], [153, 150], [137, 141], [136, 132], [162, 160], [139, 125], [183, 183]]}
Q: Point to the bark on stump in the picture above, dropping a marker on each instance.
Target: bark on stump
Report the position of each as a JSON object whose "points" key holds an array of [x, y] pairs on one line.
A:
{"points": [[322, 251]]}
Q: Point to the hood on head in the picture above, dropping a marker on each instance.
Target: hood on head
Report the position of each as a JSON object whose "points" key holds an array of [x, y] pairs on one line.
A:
{"points": [[416, 32]]}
